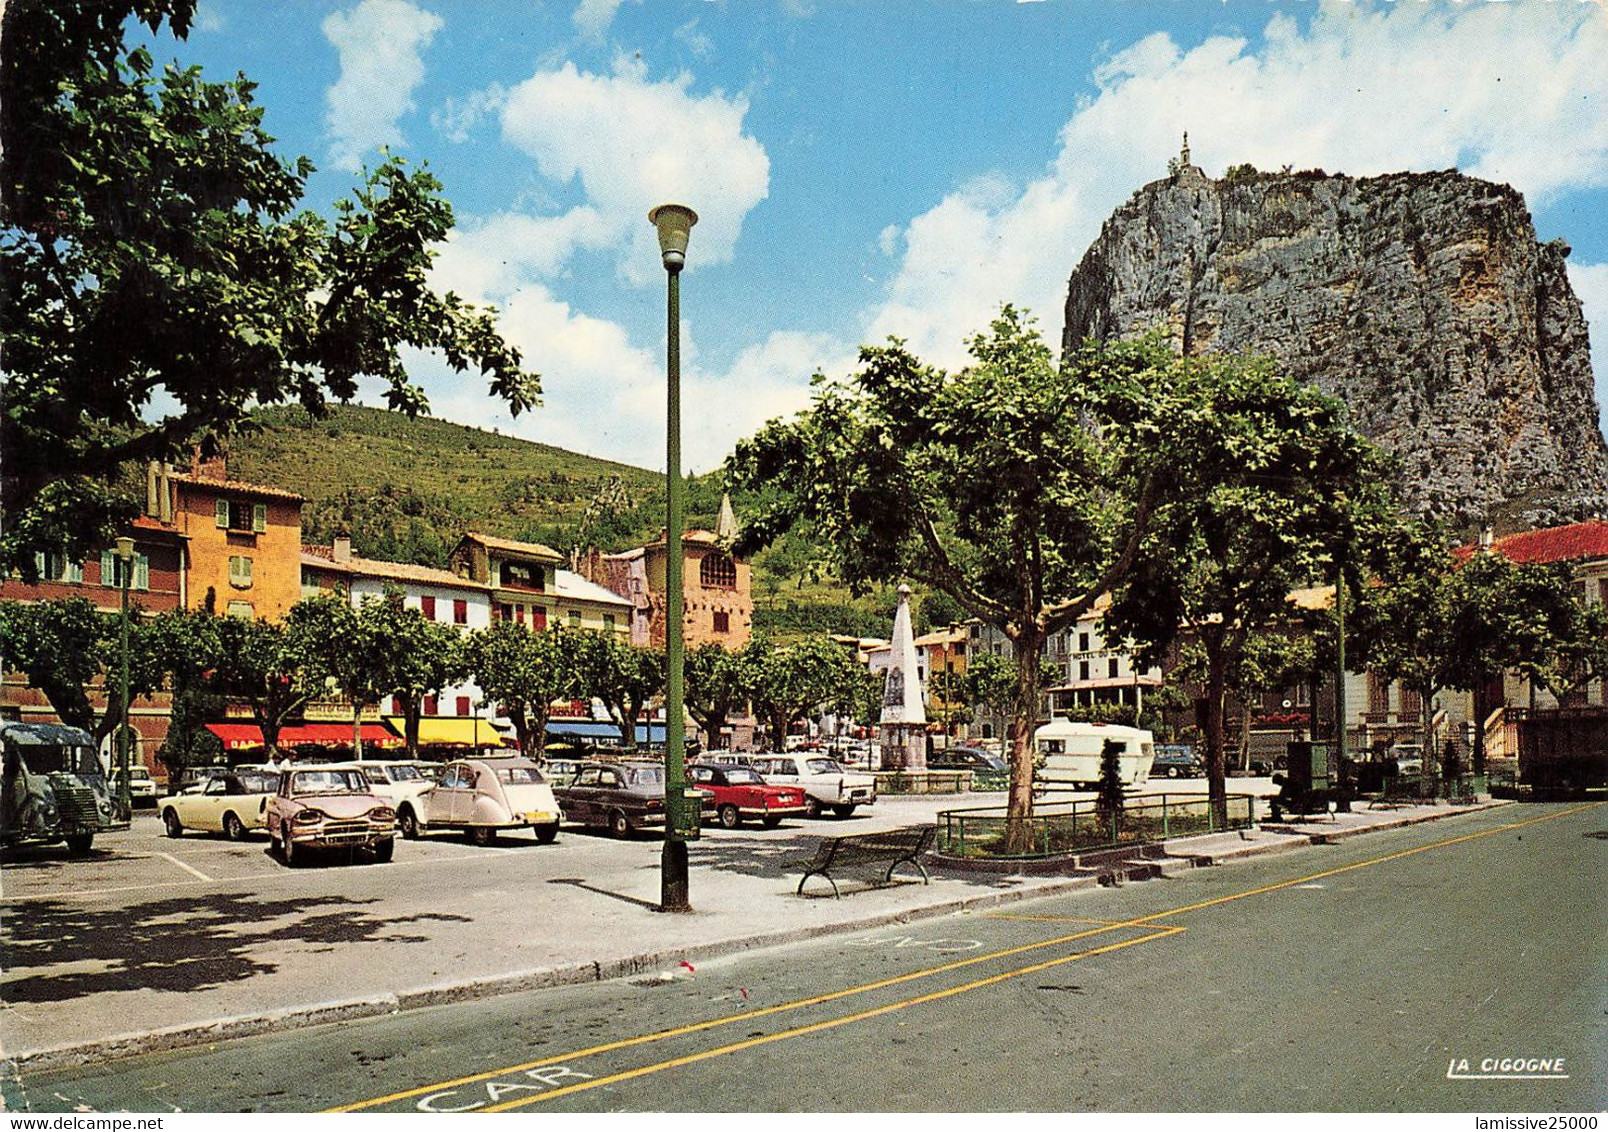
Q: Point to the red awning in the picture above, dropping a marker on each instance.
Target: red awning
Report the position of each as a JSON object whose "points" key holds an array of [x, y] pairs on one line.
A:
{"points": [[248, 736]]}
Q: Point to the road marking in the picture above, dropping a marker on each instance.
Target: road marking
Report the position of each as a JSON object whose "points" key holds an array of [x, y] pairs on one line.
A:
{"points": [[1045, 919], [1147, 921], [831, 1023], [191, 869], [942, 946], [726, 1020]]}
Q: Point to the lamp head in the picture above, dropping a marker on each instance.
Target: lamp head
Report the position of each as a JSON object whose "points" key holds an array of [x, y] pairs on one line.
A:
{"points": [[674, 222], [125, 548]]}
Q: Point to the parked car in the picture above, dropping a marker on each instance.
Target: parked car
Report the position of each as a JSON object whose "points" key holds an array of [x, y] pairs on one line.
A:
{"points": [[1176, 761], [398, 781], [483, 797], [229, 802], [619, 796], [741, 794], [967, 758], [141, 786], [317, 809], [827, 783], [54, 789]]}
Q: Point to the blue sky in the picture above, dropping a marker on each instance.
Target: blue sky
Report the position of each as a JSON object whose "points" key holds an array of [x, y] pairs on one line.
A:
{"points": [[867, 169]]}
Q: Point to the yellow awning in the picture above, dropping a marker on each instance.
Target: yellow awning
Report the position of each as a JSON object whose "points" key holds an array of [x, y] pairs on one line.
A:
{"points": [[466, 732]]}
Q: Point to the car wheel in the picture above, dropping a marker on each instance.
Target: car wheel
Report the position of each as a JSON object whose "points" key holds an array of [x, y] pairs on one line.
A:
{"points": [[619, 824], [384, 850], [1172, 772], [233, 828], [812, 808], [729, 817], [483, 836], [844, 811], [408, 823], [171, 823], [772, 820], [546, 834], [287, 850], [78, 844]]}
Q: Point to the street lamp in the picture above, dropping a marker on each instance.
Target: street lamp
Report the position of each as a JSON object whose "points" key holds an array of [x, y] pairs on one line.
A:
{"points": [[674, 222], [125, 567]]}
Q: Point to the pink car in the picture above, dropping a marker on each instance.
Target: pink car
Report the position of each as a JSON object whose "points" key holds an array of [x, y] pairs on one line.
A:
{"points": [[329, 808]]}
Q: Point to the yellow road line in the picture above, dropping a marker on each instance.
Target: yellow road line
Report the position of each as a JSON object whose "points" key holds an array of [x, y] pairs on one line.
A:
{"points": [[728, 1019], [1047, 919], [1142, 921], [829, 1024]]}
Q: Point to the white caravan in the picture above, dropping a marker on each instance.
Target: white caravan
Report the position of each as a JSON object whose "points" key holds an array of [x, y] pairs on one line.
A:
{"points": [[1068, 754]]}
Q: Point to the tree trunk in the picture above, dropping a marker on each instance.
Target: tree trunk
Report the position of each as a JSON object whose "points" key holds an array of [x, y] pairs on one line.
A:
{"points": [[410, 724], [540, 733], [1482, 708], [357, 730], [1029, 646]]}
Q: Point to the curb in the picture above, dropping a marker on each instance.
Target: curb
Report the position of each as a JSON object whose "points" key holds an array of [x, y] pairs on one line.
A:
{"points": [[251, 1025]]}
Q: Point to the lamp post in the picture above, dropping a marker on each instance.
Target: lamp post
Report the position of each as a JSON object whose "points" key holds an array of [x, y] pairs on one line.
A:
{"points": [[674, 222], [125, 567]]}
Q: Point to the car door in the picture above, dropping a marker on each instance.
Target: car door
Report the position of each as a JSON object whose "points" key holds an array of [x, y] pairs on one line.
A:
{"points": [[580, 799], [446, 800], [209, 806]]}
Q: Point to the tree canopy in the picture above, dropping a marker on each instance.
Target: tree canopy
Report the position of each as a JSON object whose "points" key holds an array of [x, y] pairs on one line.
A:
{"points": [[154, 253]]}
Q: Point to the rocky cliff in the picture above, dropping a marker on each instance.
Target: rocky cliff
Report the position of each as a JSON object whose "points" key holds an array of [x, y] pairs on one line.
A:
{"points": [[1421, 300]]}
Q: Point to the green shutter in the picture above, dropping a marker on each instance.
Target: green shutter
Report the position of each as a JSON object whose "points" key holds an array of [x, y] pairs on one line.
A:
{"points": [[108, 569], [223, 513], [39, 564], [142, 572], [75, 571], [259, 517]]}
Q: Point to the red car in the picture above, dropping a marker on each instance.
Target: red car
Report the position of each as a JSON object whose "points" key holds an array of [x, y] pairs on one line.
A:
{"points": [[741, 793]]}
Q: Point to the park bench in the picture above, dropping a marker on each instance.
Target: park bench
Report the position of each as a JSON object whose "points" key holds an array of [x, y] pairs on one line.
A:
{"points": [[892, 848]]}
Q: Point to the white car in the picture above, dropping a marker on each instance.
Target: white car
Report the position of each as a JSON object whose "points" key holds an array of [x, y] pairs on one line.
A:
{"points": [[141, 786], [827, 783], [229, 802], [394, 780], [482, 797]]}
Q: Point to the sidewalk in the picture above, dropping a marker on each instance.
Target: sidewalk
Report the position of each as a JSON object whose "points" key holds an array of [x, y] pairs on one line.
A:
{"points": [[126, 972]]}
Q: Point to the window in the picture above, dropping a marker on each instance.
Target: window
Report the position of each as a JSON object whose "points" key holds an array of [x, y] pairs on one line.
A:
{"points": [[427, 607], [960, 648], [519, 614], [524, 576], [1083, 670], [463, 705], [717, 571], [575, 619], [1083, 642], [111, 567], [240, 571], [460, 611], [241, 609], [238, 515], [429, 706], [608, 622], [722, 622], [538, 617], [1111, 668], [54, 567]]}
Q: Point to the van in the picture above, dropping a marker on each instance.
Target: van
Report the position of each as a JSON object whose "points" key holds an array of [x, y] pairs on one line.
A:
{"points": [[54, 788], [1067, 754]]}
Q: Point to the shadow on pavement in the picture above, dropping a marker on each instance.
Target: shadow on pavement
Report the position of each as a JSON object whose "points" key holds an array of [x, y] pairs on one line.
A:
{"points": [[577, 882], [181, 944]]}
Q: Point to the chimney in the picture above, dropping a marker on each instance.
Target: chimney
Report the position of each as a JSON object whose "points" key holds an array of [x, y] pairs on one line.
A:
{"points": [[1487, 540], [164, 493], [153, 485], [342, 548]]}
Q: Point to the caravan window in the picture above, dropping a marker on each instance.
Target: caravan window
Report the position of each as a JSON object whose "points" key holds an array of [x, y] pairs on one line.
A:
{"points": [[51, 758], [1055, 746]]}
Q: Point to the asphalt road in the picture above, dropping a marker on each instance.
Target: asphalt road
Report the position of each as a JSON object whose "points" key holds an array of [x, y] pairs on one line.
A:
{"points": [[1355, 977]]}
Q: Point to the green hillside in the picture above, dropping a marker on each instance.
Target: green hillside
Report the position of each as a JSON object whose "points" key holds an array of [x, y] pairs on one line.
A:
{"points": [[406, 490]]}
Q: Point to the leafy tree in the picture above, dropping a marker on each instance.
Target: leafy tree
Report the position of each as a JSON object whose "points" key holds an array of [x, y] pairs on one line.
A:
{"points": [[1578, 652], [68, 649], [272, 667], [524, 671], [189, 644], [792, 680], [718, 682], [1264, 466], [1109, 799], [420, 657], [152, 244], [625, 677], [989, 485]]}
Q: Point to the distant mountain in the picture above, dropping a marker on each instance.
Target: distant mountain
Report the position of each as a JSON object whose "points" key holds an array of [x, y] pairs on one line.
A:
{"points": [[406, 489]]}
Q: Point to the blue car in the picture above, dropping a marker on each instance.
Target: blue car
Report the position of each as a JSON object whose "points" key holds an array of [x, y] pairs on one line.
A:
{"points": [[1176, 761]]}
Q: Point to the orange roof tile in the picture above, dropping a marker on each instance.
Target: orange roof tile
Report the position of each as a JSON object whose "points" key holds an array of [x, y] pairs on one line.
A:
{"points": [[1550, 544], [240, 486]]}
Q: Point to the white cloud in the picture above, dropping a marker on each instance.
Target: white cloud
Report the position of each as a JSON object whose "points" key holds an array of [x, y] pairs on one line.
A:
{"points": [[1512, 93], [209, 19], [633, 143], [694, 40], [1590, 283], [592, 18], [380, 44], [456, 117]]}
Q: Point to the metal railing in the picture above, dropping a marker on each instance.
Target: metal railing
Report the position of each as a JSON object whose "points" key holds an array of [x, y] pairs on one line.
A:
{"points": [[1080, 826]]}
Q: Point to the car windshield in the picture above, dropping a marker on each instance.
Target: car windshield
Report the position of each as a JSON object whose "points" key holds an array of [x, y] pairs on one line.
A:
{"points": [[519, 775], [824, 766], [138, 772], [743, 776], [329, 782], [48, 758], [404, 774], [260, 783], [646, 775]]}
